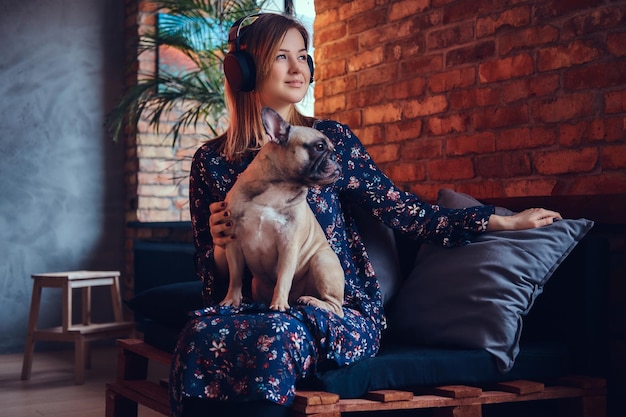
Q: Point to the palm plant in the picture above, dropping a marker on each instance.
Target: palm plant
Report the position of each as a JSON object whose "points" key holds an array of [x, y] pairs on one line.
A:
{"points": [[198, 29]]}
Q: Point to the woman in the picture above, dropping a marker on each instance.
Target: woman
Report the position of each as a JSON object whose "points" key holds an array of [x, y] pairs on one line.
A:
{"points": [[248, 359]]}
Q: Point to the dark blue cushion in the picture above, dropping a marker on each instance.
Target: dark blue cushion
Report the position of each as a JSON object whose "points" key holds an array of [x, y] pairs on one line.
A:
{"points": [[408, 367], [168, 304]]}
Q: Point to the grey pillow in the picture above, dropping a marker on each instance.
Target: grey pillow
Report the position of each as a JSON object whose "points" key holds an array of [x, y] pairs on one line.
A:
{"points": [[475, 296]]}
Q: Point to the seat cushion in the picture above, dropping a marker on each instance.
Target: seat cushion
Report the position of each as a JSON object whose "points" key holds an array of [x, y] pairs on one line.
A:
{"points": [[407, 367]]}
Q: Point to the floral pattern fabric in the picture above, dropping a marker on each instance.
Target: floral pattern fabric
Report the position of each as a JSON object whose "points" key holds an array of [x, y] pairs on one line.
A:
{"points": [[253, 353]]}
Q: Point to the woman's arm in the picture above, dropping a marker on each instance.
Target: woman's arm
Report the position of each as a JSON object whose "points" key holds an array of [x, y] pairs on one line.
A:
{"points": [[209, 227], [364, 184]]}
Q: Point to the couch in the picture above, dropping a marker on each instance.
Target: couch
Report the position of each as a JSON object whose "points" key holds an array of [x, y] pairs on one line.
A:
{"points": [[513, 320]]}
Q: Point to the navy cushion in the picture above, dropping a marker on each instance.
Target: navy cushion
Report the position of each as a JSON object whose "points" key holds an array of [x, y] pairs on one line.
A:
{"points": [[407, 367], [168, 304]]}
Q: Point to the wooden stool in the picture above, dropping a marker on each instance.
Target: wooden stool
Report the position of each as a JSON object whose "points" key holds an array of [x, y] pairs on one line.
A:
{"points": [[80, 334]]}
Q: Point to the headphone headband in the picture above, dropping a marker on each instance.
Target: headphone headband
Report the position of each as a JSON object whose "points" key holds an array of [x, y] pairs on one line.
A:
{"points": [[233, 33]]}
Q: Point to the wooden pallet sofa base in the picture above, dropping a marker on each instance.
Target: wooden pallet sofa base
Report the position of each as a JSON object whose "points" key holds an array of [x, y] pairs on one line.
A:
{"points": [[579, 396]]}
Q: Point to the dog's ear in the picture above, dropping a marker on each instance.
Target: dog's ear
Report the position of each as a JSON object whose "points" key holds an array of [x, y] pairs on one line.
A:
{"points": [[276, 127]]}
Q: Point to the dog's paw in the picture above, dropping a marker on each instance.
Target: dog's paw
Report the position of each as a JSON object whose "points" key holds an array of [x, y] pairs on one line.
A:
{"points": [[233, 301], [279, 306]]}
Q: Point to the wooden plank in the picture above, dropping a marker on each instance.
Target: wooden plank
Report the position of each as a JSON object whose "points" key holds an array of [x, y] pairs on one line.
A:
{"points": [[386, 396], [139, 347], [520, 387], [457, 391], [143, 392], [584, 382], [316, 398]]}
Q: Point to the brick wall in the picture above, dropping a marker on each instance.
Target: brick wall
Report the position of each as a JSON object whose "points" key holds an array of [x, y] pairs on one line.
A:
{"points": [[492, 98]]}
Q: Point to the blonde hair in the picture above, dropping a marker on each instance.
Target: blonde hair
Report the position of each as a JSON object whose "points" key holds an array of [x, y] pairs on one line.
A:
{"points": [[261, 39]]}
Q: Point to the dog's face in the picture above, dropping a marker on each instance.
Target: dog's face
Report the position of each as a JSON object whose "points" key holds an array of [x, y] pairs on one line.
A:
{"points": [[305, 154]]}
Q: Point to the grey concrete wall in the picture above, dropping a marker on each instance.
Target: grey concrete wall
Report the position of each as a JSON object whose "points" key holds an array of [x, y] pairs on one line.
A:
{"points": [[61, 176]]}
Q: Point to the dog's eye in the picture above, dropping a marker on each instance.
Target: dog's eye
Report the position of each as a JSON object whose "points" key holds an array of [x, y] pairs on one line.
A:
{"points": [[320, 146]]}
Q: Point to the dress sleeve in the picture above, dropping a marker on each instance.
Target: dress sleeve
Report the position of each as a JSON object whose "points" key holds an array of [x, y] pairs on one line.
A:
{"points": [[200, 197], [367, 186]]}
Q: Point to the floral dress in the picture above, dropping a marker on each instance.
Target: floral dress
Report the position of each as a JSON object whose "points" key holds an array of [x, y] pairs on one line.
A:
{"points": [[252, 353]]}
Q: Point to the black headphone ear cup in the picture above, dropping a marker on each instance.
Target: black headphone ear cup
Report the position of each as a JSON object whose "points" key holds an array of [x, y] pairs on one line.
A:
{"points": [[240, 71], [309, 61]]}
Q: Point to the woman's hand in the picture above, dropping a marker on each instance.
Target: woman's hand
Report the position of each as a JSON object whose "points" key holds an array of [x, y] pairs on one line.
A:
{"points": [[527, 219], [221, 224]]}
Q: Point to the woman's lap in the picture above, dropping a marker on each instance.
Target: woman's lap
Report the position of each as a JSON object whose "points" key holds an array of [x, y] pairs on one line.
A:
{"points": [[252, 354]]}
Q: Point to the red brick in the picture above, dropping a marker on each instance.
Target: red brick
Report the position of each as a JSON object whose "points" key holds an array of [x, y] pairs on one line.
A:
{"points": [[365, 59], [428, 106], [524, 88], [329, 33], [338, 49], [406, 8], [485, 188], [526, 187], [615, 128], [614, 157], [450, 169], [411, 46], [336, 68], [360, 98], [414, 87], [579, 133], [525, 138], [384, 113], [563, 108], [407, 171], [594, 20], [514, 17], [380, 74], [338, 85], [468, 99], [364, 21], [384, 153], [460, 10], [451, 36], [526, 38], [469, 144], [503, 165], [474, 53], [423, 148], [355, 8], [420, 66], [608, 183], [566, 161], [403, 130], [505, 69], [548, 9], [606, 74], [449, 80], [616, 43], [370, 135], [455, 123], [330, 105], [509, 116], [577, 52], [428, 192], [615, 102]]}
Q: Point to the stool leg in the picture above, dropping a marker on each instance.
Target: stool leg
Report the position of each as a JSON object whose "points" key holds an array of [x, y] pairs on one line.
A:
{"points": [[29, 348], [80, 345], [86, 319], [116, 299]]}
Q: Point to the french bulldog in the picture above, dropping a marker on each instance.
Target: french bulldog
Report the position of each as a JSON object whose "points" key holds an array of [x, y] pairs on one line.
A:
{"points": [[278, 236]]}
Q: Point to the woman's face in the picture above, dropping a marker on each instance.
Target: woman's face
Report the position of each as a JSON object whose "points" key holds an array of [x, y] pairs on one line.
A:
{"points": [[288, 81]]}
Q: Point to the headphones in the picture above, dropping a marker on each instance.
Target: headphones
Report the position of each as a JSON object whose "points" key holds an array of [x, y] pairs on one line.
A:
{"points": [[239, 67]]}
